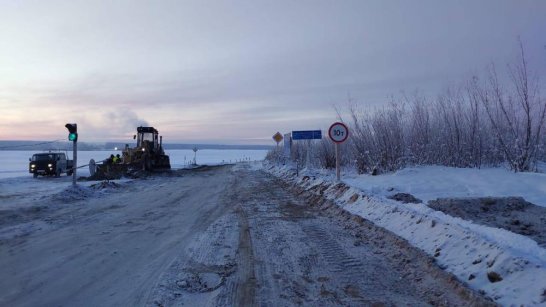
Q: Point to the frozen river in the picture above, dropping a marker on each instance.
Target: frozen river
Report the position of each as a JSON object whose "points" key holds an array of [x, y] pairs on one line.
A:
{"points": [[15, 163]]}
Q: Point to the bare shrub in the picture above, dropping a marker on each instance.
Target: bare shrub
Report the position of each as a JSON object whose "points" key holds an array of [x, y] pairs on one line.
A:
{"points": [[325, 153], [377, 141], [387, 128], [361, 141], [419, 130], [517, 117], [275, 155]]}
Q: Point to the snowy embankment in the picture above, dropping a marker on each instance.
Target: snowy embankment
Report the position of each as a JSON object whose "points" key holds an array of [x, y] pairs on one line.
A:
{"points": [[508, 267]]}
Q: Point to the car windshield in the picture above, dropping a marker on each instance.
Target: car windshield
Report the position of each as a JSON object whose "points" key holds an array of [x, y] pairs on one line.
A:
{"points": [[43, 157]]}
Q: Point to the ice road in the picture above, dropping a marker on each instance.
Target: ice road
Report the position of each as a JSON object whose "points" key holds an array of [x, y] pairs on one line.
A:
{"points": [[214, 236]]}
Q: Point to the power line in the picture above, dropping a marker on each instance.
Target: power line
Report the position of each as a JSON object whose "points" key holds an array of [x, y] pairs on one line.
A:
{"points": [[28, 145]]}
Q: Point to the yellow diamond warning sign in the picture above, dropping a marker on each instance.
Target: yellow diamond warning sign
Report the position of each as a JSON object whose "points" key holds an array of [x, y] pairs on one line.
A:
{"points": [[277, 137]]}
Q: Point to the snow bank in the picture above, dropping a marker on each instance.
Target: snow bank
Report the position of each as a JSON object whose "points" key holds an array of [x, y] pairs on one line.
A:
{"points": [[478, 255]]}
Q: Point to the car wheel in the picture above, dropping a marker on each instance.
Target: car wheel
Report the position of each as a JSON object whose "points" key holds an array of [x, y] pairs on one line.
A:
{"points": [[35, 175], [58, 173]]}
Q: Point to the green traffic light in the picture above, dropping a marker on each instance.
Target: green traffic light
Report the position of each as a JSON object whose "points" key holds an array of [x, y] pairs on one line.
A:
{"points": [[72, 132], [73, 137]]}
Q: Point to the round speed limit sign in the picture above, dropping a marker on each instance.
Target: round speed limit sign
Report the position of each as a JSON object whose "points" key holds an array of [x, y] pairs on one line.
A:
{"points": [[338, 132]]}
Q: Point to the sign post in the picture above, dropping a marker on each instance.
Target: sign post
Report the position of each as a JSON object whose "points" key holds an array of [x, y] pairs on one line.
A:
{"points": [[338, 133]]}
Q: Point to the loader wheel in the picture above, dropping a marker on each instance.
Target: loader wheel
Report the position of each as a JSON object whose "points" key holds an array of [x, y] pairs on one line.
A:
{"points": [[146, 163]]}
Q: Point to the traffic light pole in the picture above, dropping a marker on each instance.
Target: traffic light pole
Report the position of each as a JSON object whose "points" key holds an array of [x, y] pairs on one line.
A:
{"points": [[73, 136], [75, 162]]}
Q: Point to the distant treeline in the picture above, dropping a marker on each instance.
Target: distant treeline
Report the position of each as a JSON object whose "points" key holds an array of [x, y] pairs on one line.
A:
{"points": [[44, 146], [216, 146], [84, 146], [167, 146]]}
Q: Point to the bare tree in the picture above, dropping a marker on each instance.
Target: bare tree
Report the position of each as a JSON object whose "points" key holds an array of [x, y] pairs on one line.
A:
{"points": [[361, 140], [419, 134], [474, 123], [516, 119]]}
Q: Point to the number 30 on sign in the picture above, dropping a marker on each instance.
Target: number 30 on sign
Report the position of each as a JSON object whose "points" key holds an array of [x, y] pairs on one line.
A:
{"points": [[338, 132]]}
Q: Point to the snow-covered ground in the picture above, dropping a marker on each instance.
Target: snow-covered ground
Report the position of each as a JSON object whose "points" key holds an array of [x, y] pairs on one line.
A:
{"points": [[474, 253], [209, 236], [431, 182]]}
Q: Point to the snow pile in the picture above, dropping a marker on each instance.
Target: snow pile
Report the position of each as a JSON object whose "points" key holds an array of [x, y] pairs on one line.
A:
{"points": [[508, 267], [74, 193]]}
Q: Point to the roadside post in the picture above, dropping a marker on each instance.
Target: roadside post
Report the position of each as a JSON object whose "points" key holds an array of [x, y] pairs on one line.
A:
{"points": [[92, 167], [73, 136], [287, 148], [195, 149], [338, 133]]}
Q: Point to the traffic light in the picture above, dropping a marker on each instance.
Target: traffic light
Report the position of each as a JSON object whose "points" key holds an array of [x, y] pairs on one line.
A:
{"points": [[72, 132]]}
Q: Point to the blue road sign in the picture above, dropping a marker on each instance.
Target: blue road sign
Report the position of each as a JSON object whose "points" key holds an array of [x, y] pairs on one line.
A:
{"points": [[307, 135]]}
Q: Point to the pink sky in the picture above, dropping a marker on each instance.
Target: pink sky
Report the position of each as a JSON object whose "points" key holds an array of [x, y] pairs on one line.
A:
{"points": [[238, 71]]}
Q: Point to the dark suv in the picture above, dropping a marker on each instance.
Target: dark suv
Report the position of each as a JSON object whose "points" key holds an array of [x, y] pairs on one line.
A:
{"points": [[51, 163]]}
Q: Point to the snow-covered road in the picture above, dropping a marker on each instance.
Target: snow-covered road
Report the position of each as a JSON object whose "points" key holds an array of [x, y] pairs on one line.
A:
{"points": [[109, 250], [218, 236]]}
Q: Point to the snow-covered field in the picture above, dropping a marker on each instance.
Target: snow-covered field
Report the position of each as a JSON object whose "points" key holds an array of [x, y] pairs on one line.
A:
{"points": [[15, 163], [431, 182], [476, 254]]}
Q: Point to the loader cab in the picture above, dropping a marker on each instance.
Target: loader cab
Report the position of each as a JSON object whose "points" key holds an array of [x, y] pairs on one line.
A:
{"points": [[147, 138]]}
